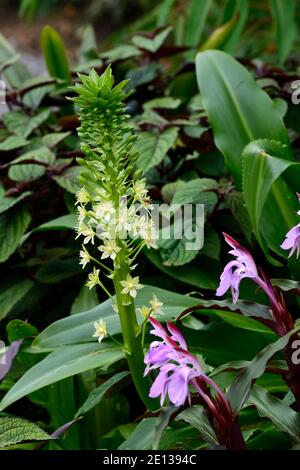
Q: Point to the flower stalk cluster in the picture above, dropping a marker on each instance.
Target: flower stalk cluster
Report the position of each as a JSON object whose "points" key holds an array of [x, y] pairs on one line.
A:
{"points": [[113, 206]]}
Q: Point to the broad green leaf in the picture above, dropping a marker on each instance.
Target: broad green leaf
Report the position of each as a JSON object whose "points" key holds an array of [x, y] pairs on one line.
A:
{"points": [[13, 224], [284, 15], [197, 13], [13, 142], [263, 164], [65, 222], [31, 171], [287, 285], [236, 204], [153, 147], [197, 418], [142, 436], [12, 295], [78, 328], [60, 364], [15, 430], [86, 300], [152, 44], [162, 424], [8, 202], [269, 406], [55, 54], [241, 387], [238, 110], [57, 270], [164, 10], [203, 273], [96, 395]]}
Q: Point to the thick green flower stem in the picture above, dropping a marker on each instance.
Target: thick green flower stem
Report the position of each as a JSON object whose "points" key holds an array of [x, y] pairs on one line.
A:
{"points": [[132, 339]]}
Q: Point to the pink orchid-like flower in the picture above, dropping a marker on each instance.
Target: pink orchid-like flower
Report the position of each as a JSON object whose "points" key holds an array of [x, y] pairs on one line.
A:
{"points": [[178, 370], [242, 267], [292, 238]]}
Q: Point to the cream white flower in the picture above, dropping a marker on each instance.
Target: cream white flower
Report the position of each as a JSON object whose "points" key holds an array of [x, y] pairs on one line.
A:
{"points": [[144, 311], [139, 190], [93, 278], [82, 213], [100, 330], [87, 232], [138, 226], [109, 249], [105, 211], [156, 305], [82, 197], [149, 234], [131, 285], [84, 257]]}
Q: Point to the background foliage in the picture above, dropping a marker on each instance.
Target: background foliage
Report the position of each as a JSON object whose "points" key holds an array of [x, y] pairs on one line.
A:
{"points": [[194, 148]]}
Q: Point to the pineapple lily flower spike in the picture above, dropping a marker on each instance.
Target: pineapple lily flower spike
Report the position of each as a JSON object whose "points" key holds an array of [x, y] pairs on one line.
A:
{"points": [[292, 240], [179, 372], [110, 203]]}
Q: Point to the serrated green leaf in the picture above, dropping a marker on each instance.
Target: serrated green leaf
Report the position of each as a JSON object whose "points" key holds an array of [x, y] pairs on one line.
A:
{"points": [[14, 430], [121, 53], [12, 295], [8, 202], [68, 179], [13, 224], [53, 139], [153, 147], [178, 244], [197, 191], [13, 142], [31, 171], [151, 44]]}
